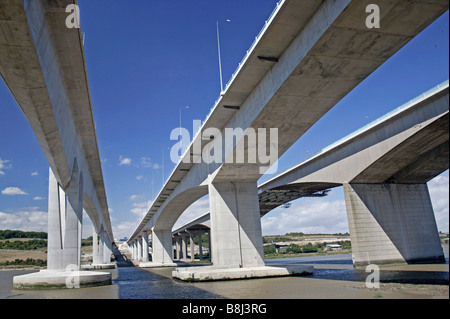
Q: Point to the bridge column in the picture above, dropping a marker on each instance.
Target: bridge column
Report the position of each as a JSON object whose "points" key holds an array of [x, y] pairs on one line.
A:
{"points": [[236, 235], [65, 213], [391, 223], [139, 248], [145, 246], [184, 245], [97, 252], [107, 248], [162, 247], [200, 246], [192, 244]]}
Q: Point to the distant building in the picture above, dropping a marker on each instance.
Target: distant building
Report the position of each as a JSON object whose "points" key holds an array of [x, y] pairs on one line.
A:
{"points": [[333, 247]]}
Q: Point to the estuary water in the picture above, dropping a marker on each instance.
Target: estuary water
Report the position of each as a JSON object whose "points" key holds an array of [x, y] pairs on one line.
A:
{"points": [[334, 277]]}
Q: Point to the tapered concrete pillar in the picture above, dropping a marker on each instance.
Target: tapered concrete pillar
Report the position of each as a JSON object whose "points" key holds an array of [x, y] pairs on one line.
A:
{"points": [[139, 248], [145, 247], [200, 247], [56, 219], [97, 251], [184, 246], [236, 235], [192, 246], [65, 215], [210, 245], [392, 223], [178, 247], [162, 246], [107, 249]]}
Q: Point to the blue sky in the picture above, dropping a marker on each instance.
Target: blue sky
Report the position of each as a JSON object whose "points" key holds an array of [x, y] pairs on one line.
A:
{"points": [[146, 60]]}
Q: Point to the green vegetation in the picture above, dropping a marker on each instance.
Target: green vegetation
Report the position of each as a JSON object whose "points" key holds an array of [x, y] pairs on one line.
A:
{"points": [[270, 251], [8, 234], [299, 236], [23, 245], [205, 240], [27, 262], [87, 242]]}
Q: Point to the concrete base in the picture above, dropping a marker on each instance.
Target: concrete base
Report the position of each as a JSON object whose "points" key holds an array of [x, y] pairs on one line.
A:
{"points": [[211, 273], [47, 279], [98, 266], [155, 265], [151, 264]]}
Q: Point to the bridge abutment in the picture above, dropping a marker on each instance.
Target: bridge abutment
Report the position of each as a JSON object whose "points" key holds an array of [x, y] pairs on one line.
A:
{"points": [[392, 223]]}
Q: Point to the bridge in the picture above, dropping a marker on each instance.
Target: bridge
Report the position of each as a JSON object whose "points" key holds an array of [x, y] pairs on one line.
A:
{"points": [[42, 62], [308, 56], [392, 157]]}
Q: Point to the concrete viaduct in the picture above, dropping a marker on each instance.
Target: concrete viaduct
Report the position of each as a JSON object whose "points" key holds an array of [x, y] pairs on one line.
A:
{"points": [[42, 62], [309, 55], [384, 168]]}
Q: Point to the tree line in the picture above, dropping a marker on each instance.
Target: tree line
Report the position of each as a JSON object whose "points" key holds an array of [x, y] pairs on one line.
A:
{"points": [[23, 245], [9, 234], [308, 248]]}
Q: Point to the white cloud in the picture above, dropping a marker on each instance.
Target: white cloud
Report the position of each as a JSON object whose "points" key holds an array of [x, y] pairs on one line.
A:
{"points": [[307, 216], [29, 219], [38, 198], [439, 193], [146, 162], [140, 177], [123, 229], [4, 165], [13, 191], [135, 197], [34, 174], [141, 208], [124, 161]]}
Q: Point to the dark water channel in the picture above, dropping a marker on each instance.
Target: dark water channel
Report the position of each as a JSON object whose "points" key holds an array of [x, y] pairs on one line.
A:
{"points": [[136, 283]]}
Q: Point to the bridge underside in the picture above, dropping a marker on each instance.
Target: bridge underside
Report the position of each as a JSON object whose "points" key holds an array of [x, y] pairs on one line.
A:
{"points": [[42, 62]]}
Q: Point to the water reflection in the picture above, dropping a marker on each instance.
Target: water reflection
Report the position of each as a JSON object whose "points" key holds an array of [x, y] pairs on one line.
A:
{"points": [[386, 276], [341, 268], [136, 283]]}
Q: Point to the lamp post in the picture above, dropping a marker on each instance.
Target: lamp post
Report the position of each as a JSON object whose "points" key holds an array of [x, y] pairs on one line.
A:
{"points": [[220, 61]]}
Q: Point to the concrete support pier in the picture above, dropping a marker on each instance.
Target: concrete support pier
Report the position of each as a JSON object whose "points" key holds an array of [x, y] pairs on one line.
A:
{"points": [[162, 250], [392, 223], [236, 238], [64, 242], [236, 235]]}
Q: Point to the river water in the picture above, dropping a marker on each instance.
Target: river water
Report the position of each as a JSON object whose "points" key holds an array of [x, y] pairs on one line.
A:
{"points": [[334, 277]]}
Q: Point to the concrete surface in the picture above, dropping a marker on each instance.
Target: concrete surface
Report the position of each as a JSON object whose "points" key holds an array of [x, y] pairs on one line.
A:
{"points": [[324, 50], [211, 273], [46, 279]]}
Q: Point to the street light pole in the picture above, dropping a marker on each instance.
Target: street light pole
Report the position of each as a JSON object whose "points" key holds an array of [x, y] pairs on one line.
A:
{"points": [[220, 61]]}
